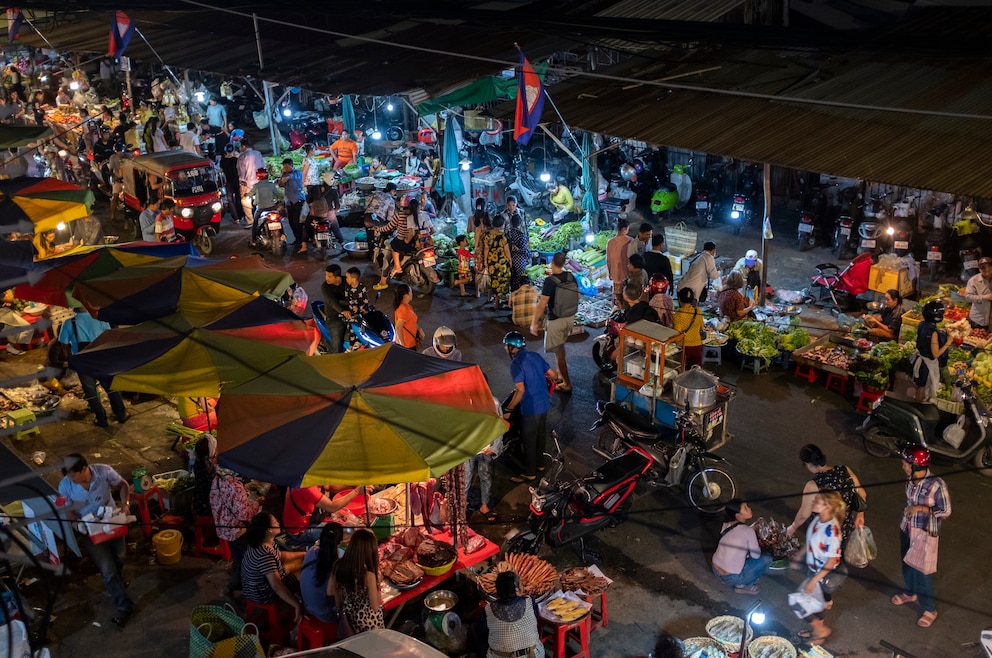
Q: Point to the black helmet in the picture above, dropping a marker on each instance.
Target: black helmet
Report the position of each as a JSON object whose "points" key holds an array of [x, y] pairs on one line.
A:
{"points": [[933, 311], [514, 339], [229, 148]]}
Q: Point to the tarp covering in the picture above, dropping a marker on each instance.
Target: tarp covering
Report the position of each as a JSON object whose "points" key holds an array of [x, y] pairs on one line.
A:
{"points": [[34, 205], [483, 90]]}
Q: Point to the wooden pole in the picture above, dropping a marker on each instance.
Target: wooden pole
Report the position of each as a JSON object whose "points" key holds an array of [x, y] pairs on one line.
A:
{"points": [[766, 215]]}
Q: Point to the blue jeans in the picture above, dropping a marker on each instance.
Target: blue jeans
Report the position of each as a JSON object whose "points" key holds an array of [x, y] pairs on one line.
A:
{"points": [[93, 399], [484, 464], [917, 583], [109, 559], [309, 535], [754, 568]]}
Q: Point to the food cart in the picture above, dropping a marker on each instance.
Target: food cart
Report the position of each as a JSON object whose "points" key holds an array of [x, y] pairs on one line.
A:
{"points": [[651, 359]]}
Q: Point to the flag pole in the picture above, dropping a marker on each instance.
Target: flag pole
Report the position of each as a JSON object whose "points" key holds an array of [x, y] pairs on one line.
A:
{"points": [[157, 56], [43, 37]]}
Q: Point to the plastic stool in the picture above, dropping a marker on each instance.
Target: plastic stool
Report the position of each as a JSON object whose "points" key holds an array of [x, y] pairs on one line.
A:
{"points": [[713, 354], [755, 363], [141, 500], [18, 417], [271, 630], [837, 383], [867, 399], [561, 634], [805, 372], [204, 528], [599, 617], [314, 634]]}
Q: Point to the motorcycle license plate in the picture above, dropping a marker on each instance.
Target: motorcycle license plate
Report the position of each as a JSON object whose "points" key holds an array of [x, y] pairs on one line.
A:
{"points": [[274, 226], [323, 236], [845, 231], [934, 255], [870, 244], [739, 206], [901, 244], [971, 265], [702, 205], [430, 261], [805, 228]]}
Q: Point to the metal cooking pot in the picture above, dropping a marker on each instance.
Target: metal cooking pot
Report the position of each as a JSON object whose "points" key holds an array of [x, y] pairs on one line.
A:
{"points": [[697, 387]]}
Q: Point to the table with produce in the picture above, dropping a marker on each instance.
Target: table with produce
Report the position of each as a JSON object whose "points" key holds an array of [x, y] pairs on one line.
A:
{"points": [[763, 340]]}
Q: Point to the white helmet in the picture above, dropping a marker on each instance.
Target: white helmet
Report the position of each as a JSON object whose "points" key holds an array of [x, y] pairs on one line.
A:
{"points": [[751, 257], [444, 342]]}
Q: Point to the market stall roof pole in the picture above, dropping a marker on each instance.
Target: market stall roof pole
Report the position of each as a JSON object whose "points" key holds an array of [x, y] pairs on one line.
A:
{"points": [[560, 144], [764, 241], [265, 86]]}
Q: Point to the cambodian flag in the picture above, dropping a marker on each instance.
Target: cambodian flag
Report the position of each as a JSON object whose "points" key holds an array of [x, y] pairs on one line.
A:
{"points": [[530, 101], [121, 31], [14, 20]]}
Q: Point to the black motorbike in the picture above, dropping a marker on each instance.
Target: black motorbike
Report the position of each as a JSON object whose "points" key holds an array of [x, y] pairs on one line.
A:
{"points": [[565, 510], [679, 458], [952, 438], [845, 237], [807, 230], [936, 240]]}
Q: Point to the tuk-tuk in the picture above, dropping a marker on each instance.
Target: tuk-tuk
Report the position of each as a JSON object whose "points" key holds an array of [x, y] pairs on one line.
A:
{"points": [[187, 179]]}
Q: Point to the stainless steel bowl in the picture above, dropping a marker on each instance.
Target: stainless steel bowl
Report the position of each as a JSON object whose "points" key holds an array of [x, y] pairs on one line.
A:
{"points": [[874, 306], [441, 600]]}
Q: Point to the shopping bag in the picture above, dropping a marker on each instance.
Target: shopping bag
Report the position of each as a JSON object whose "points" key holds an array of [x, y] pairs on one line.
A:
{"points": [[922, 553], [804, 604], [680, 240], [218, 632], [861, 548]]}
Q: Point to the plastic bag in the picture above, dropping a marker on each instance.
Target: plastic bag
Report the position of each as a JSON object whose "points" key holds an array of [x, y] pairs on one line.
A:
{"points": [[804, 604], [861, 548]]}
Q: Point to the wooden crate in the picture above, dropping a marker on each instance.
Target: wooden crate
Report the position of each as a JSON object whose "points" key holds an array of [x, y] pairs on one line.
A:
{"points": [[880, 280]]}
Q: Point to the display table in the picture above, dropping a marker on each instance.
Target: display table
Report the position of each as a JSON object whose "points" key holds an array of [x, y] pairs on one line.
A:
{"points": [[397, 600]]}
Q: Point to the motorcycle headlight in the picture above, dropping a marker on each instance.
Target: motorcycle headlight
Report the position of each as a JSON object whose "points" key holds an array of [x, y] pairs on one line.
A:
{"points": [[536, 500], [216, 206], [736, 214], [187, 212]]}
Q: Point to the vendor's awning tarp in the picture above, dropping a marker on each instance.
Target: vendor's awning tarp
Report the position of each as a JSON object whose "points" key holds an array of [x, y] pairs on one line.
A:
{"points": [[16, 136], [34, 205]]}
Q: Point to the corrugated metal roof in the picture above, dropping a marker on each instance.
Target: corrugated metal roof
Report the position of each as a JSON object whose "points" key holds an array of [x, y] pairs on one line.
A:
{"points": [[672, 10]]}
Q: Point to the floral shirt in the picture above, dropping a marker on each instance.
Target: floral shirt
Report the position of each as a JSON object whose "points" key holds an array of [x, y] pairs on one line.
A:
{"points": [[230, 504]]}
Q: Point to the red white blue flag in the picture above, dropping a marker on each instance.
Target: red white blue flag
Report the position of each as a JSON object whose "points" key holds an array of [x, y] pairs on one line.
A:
{"points": [[121, 31], [530, 101], [14, 20]]}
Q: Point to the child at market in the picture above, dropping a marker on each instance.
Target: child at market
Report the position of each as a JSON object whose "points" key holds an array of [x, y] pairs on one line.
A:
{"points": [[356, 294], [464, 264]]}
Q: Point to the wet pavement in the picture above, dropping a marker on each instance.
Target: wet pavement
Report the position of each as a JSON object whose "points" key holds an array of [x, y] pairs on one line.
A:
{"points": [[658, 558]]}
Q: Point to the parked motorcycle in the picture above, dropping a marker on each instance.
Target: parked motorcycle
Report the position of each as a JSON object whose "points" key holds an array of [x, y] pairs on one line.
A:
{"points": [[418, 267], [679, 458], [936, 240], [531, 192], [704, 205], [604, 348], [900, 228], [872, 235], [271, 234], [807, 230], [895, 424], [740, 211], [969, 250], [845, 237], [564, 510]]}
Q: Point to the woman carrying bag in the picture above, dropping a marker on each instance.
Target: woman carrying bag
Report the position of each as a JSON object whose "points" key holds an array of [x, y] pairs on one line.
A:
{"points": [[823, 538]]}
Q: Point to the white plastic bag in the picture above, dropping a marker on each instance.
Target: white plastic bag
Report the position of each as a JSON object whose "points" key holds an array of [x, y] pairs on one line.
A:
{"points": [[861, 548], [804, 604]]}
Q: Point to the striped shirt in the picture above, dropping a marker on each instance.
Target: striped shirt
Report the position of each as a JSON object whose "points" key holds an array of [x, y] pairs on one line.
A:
{"points": [[258, 563]]}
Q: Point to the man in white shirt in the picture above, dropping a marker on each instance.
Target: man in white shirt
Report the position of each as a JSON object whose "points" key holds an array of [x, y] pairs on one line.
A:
{"points": [[249, 162], [701, 271], [189, 141]]}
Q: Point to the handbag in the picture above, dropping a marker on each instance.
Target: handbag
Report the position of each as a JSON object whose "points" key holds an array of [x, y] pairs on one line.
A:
{"points": [[922, 553], [217, 632]]}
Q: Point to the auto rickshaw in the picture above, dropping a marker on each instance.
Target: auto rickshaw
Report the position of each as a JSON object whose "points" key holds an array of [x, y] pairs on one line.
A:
{"points": [[187, 179]]}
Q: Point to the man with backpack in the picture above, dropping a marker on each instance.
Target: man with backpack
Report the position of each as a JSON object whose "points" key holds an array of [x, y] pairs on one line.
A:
{"points": [[560, 297]]}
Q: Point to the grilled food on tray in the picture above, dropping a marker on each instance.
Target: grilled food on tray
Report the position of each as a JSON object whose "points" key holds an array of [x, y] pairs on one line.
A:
{"points": [[580, 578], [536, 576]]}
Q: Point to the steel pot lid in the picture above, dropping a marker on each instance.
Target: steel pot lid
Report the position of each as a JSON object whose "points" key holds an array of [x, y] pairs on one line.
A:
{"points": [[696, 379]]}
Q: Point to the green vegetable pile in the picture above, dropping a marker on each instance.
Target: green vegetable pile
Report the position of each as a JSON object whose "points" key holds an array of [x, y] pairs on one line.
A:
{"points": [[871, 371], [443, 244], [556, 239], [449, 265], [754, 339], [793, 339], [602, 238]]}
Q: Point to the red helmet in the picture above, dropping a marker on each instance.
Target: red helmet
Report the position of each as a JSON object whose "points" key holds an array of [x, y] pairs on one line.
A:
{"points": [[916, 456], [262, 174], [659, 283]]}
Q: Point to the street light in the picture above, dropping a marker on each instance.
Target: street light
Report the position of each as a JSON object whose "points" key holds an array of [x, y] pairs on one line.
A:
{"points": [[753, 614]]}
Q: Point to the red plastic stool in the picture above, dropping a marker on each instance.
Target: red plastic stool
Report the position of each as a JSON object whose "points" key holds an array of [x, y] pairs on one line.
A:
{"points": [[314, 634], [805, 372], [867, 399], [599, 617], [204, 529], [269, 620], [141, 500], [172, 522], [837, 383], [560, 634]]}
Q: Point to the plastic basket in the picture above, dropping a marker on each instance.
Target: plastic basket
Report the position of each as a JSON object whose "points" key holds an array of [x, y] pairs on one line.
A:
{"points": [[438, 571], [951, 407], [680, 239]]}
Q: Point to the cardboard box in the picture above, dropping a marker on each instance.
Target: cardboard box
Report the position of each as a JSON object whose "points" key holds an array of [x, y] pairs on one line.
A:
{"points": [[881, 280]]}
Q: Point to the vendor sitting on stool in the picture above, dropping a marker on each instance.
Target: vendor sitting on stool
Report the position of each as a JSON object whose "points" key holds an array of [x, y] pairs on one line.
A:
{"points": [[297, 512], [886, 325]]}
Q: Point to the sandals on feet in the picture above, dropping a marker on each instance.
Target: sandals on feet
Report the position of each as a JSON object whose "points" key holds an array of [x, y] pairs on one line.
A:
{"points": [[523, 478], [927, 619], [902, 599], [815, 640]]}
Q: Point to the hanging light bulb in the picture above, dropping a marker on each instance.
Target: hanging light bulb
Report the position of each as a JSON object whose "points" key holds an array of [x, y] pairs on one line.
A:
{"points": [[545, 176], [376, 134], [44, 77], [590, 238], [465, 164], [60, 226], [287, 111], [389, 106], [74, 85], [199, 96]]}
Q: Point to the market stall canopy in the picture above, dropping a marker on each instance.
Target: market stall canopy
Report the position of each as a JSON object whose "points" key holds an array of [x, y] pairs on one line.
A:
{"points": [[49, 279], [35, 205], [377, 416], [194, 356], [16, 136], [189, 284]]}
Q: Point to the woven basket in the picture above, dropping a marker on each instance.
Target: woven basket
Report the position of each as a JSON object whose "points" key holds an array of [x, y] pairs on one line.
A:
{"points": [[680, 240]]}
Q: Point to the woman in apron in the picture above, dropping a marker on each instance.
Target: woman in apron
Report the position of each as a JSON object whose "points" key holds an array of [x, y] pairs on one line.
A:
{"points": [[931, 352]]}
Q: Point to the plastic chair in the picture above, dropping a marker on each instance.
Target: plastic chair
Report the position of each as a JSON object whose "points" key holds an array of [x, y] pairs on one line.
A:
{"points": [[713, 354], [806, 372], [144, 513], [314, 634], [203, 529], [271, 629], [837, 383], [867, 399], [599, 617], [560, 634]]}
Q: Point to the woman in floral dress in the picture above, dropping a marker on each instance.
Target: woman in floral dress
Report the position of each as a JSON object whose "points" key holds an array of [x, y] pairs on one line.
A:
{"points": [[497, 258], [519, 254]]}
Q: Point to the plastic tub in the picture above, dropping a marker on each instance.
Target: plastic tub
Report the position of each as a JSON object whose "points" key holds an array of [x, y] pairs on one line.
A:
{"points": [[168, 546]]}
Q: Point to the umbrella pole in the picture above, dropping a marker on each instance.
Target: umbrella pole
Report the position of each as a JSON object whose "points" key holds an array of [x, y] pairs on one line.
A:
{"points": [[368, 517], [409, 511]]}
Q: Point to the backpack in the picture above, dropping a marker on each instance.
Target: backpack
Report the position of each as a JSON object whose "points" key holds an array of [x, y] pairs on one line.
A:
{"points": [[566, 296]]}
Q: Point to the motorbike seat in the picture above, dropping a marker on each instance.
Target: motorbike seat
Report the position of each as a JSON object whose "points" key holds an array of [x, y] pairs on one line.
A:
{"points": [[614, 472], [632, 423], [927, 413]]}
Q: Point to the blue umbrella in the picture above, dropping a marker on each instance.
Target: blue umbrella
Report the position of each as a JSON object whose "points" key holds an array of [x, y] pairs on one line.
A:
{"points": [[348, 113], [451, 179], [590, 200]]}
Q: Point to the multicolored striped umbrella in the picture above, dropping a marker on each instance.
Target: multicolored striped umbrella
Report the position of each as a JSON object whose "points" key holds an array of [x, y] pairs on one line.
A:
{"points": [[35, 205], [379, 416], [194, 356]]}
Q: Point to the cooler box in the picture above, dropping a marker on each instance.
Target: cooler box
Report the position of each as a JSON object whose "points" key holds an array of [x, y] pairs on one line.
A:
{"points": [[880, 280], [490, 189], [679, 263]]}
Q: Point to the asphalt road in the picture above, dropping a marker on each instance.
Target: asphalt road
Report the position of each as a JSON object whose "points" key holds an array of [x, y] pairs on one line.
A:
{"points": [[660, 556]]}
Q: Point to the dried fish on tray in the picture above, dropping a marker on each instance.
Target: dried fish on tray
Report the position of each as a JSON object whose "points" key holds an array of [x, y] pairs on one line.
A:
{"points": [[537, 577], [583, 578]]}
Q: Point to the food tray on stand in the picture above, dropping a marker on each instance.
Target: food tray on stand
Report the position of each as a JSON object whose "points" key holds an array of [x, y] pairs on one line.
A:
{"points": [[594, 311], [799, 355]]}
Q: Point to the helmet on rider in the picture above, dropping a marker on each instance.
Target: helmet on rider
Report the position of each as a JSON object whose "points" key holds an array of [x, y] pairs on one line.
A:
{"points": [[933, 311], [514, 339], [262, 173], [444, 341], [916, 456], [658, 284], [229, 148]]}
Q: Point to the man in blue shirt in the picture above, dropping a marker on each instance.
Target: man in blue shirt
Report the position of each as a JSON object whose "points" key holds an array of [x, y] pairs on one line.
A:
{"points": [[87, 488], [292, 184], [77, 333], [530, 378], [146, 220]]}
